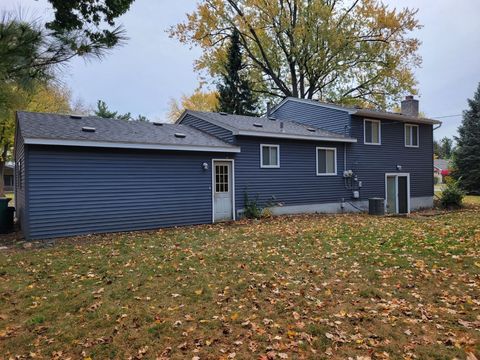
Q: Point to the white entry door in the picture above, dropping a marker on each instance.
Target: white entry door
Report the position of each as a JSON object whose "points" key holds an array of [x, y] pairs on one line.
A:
{"points": [[222, 191]]}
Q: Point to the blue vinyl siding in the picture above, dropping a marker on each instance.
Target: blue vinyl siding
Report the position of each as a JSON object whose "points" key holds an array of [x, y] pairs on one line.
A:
{"points": [[76, 191], [295, 182], [209, 128], [72, 190], [371, 162], [314, 115]]}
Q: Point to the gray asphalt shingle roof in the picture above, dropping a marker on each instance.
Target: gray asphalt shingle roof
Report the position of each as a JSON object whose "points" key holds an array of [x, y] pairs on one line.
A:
{"points": [[242, 125], [375, 113], [58, 127]]}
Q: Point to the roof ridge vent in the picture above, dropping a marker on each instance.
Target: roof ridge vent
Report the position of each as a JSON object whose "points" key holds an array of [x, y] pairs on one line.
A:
{"points": [[223, 113], [158, 123], [258, 125], [88, 129], [180, 135], [75, 116]]}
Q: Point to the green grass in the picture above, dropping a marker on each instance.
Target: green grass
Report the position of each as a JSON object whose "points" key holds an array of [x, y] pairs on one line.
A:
{"points": [[301, 286]]}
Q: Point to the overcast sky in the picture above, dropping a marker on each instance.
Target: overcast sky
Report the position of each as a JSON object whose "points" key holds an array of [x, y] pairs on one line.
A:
{"points": [[142, 76]]}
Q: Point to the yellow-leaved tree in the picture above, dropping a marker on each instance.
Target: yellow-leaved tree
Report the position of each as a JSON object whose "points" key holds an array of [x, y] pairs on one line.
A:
{"points": [[199, 100], [41, 97], [333, 50]]}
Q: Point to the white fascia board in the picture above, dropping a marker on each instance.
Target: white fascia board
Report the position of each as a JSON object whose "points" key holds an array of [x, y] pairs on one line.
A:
{"points": [[120, 145], [292, 136]]}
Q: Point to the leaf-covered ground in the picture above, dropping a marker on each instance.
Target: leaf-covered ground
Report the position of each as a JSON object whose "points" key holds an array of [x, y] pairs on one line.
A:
{"points": [[281, 288]]}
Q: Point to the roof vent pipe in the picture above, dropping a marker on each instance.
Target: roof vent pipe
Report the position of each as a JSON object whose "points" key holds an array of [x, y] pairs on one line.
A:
{"points": [[410, 106], [281, 126], [269, 109]]}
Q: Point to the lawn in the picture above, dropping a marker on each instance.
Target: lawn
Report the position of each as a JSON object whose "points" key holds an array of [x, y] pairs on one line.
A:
{"points": [[287, 287]]}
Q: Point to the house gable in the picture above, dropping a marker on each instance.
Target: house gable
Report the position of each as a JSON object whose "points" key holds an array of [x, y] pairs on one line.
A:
{"points": [[325, 117]]}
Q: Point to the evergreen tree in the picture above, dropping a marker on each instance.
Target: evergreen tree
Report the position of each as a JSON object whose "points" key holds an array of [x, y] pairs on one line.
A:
{"points": [[437, 150], [467, 152], [234, 92], [104, 112], [447, 147]]}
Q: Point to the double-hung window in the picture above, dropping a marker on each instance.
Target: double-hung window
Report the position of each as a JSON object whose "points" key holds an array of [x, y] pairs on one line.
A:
{"points": [[326, 161], [269, 156], [372, 132], [411, 135]]}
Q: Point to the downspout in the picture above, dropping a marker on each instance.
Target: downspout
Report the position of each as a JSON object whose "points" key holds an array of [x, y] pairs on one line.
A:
{"points": [[433, 177], [345, 149]]}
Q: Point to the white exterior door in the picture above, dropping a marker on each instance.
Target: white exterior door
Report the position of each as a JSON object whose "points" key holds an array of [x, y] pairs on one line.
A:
{"points": [[397, 193], [222, 191]]}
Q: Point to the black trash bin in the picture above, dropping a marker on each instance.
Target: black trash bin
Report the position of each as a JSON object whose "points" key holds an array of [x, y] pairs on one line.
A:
{"points": [[6, 216], [10, 218], [376, 206]]}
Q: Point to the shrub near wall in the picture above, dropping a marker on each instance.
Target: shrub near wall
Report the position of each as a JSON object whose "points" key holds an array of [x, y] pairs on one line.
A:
{"points": [[452, 196]]}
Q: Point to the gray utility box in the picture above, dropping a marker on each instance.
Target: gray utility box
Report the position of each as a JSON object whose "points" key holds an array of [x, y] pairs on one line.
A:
{"points": [[376, 206]]}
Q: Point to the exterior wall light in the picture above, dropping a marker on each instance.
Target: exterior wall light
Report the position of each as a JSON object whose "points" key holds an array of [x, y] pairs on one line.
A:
{"points": [[399, 167], [205, 166]]}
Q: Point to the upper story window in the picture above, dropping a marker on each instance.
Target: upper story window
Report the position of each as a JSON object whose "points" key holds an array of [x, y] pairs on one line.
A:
{"points": [[326, 161], [411, 135], [269, 156], [372, 132]]}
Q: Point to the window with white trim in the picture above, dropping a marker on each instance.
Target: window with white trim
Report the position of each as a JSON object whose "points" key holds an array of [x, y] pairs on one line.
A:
{"points": [[411, 135], [269, 156], [372, 132], [326, 161]]}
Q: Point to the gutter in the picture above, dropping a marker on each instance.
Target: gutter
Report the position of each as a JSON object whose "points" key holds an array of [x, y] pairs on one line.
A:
{"points": [[292, 136], [121, 145]]}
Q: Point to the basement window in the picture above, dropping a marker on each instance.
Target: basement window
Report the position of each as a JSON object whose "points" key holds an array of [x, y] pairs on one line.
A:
{"points": [[269, 156]]}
